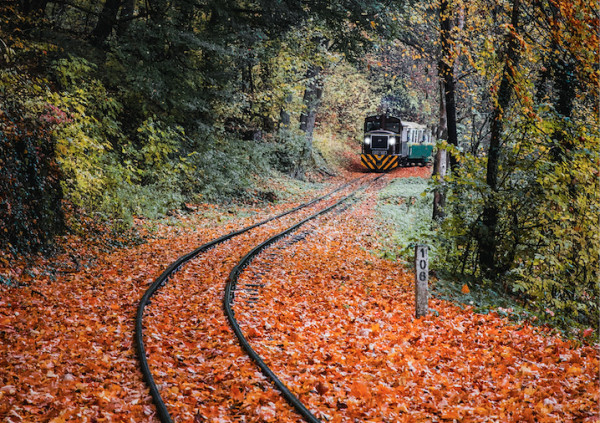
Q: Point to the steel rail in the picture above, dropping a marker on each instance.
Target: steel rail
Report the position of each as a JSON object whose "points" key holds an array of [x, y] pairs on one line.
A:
{"points": [[161, 407], [229, 297]]}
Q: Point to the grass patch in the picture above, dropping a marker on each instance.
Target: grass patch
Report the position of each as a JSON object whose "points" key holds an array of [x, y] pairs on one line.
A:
{"points": [[404, 218]]}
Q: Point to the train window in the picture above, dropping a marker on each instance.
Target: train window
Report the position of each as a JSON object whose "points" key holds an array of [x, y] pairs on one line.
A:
{"points": [[372, 126], [393, 126]]}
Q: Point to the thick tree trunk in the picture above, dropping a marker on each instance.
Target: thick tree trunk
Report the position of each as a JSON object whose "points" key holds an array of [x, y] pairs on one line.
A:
{"points": [[106, 22], [126, 16], [284, 115], [440, 161], [268, 123], [488, 242], [564, 82], [446, 70], [312, 99]]}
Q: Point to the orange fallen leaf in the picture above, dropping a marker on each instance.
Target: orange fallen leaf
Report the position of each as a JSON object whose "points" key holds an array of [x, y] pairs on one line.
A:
{"points": [[465, 289], [236, 393], [360, 390], [451, 414], [321, 389]]}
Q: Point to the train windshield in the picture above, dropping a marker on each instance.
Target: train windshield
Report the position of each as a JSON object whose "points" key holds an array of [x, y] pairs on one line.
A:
{"points": [[372, 125], [387, 123]]}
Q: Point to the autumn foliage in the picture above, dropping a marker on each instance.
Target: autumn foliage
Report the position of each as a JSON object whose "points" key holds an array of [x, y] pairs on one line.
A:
{"points": [[329, 316]]}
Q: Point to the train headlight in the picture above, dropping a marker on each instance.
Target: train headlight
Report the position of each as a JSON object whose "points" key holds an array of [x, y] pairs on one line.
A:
{"points": [[367, 140], [392, 140]]}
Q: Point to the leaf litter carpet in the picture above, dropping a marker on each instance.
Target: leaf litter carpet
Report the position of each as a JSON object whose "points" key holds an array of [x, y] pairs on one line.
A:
{"points": [[333, 320]]}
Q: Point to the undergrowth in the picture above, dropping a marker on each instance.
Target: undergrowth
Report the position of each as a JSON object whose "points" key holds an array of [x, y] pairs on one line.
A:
{"points": [[404, 217]]}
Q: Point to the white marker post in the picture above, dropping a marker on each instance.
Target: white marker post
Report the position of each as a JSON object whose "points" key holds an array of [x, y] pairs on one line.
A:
{"points": [[421, 278]]}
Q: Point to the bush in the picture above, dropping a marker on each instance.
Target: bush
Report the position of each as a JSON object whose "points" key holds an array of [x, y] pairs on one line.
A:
{"points": [[30, 191], [548, 240]]}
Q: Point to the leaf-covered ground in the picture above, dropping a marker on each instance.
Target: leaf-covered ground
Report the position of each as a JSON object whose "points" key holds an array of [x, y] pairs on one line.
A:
{"points": [[331, 318]]}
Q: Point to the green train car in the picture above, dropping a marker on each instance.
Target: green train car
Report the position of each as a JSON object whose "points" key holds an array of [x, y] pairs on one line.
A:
{"points": [[390, 142], [419, 142]]}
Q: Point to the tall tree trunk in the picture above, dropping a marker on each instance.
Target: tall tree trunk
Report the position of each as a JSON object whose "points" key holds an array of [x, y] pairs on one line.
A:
{"points": [[106, 22], [564, 83], [446, 71], [126, 16], [311, 99], [268, 123], [284, 115], [440, 161], [488, 242]]}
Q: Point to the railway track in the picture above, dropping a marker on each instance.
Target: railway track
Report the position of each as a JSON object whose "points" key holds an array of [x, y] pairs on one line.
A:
{"points": [[231, 285]]}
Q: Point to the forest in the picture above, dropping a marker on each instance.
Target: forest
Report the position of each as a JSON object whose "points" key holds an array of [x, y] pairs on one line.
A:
{"points": [[124, 108], [132, 131]]}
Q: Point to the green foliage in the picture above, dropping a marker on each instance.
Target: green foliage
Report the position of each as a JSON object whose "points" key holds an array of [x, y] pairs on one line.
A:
{"points": [[548, 242], [105, 173], [348, 98], [285, 152], [30, 193], [159, 156], [83, 138], [223, 170], [30, 199], [562, 273]]}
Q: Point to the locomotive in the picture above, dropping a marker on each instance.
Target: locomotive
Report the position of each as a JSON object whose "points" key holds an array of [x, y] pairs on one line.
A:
{"points": [[390, 142]]}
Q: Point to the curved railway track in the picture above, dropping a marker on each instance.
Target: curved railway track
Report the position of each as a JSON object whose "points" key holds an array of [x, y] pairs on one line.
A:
{"points": [[229, 294]]}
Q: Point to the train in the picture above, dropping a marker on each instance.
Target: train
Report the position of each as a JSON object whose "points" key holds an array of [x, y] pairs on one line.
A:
{"points": [[390, 142]]}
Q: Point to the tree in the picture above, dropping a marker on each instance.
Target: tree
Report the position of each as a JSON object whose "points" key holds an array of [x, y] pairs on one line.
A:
{"points": [[107, 20], [446, 72], [488, 236], [440, 160], [311, 100]]}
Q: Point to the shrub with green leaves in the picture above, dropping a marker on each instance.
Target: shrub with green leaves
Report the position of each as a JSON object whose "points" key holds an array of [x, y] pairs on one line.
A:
{"points": [[549, 243], [30, 192]]}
